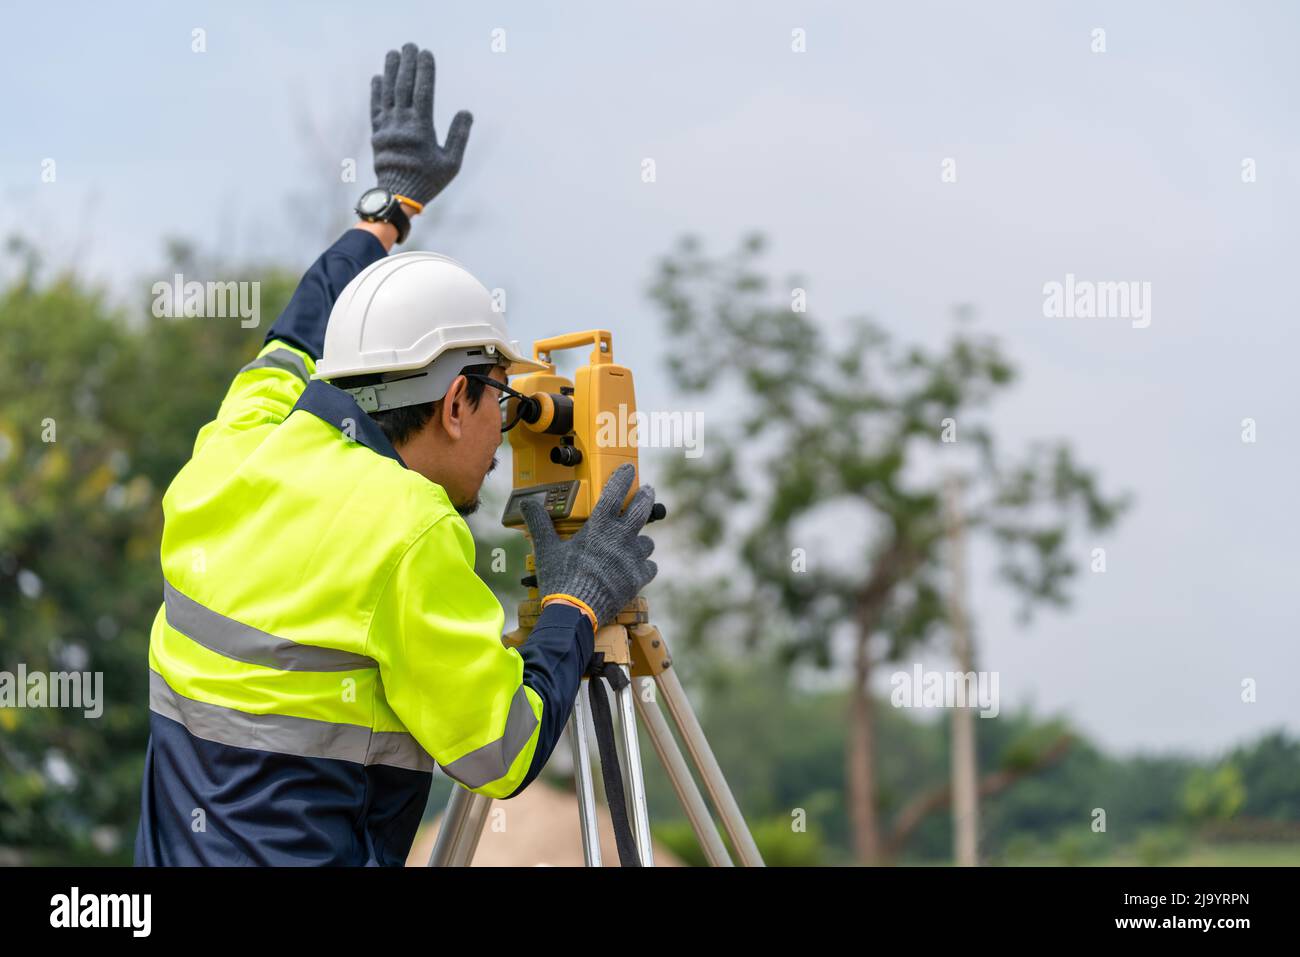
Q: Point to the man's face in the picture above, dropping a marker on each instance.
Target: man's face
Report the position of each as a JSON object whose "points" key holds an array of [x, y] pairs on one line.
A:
{"points": [[482, 437], [457, 447]]}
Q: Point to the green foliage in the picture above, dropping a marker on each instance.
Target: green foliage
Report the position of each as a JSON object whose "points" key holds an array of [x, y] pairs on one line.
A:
{"points": [[823, 415], [1214, 794], [1270, 769], [677, 836], [1077, 846], [1156, 847], [778, 843], [783, 752], [99, 407]]}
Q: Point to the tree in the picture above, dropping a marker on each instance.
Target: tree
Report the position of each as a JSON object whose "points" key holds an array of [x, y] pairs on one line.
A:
{"points": [[1270, 770], [1214, 795], [836, 420], [99, 406]]}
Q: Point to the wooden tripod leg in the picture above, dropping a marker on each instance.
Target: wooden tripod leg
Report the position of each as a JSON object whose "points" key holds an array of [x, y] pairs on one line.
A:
{"points": [[688, 793], [697, 745], [651, 659]]}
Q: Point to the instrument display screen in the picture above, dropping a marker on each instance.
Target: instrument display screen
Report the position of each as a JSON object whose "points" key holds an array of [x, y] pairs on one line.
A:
{"points": [[557, 498]]}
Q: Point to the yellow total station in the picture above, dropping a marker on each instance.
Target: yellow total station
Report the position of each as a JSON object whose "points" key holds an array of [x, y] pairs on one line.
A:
{"points": [[571, 434]]}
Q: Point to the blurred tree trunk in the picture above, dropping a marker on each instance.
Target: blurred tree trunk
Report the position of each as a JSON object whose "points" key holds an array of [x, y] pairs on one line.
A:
{"points": [[861, 758], [965, 774]]}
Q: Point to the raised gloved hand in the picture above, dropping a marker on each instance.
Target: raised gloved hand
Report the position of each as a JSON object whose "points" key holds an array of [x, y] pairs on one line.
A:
{"points": [[606, 563], [408, 159]]}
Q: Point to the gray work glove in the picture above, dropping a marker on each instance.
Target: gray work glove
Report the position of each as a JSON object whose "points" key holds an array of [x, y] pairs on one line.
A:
{"points": [[606, 563], [408, 159]]}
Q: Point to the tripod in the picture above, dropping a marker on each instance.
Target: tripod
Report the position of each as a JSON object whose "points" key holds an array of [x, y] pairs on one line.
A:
{"points": [[634, 647]]}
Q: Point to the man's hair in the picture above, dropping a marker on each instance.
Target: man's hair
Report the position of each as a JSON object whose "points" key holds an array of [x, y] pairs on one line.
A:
{"points": [[401, 424]]}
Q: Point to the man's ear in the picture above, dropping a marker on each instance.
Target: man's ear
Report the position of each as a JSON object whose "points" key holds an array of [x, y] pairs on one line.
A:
{"points": [[454, 406]]}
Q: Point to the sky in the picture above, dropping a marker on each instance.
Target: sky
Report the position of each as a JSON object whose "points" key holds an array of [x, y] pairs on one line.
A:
{"points": [[1122, 165]]}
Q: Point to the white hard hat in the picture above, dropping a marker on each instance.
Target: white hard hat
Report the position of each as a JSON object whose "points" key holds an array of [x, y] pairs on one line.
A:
{"points": [[417, 313]]}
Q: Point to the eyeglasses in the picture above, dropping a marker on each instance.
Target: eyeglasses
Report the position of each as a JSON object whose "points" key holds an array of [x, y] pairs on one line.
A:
{"points": [[514, 405]]}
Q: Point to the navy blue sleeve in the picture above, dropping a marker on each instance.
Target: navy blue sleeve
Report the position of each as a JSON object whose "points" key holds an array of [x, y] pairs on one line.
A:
{"points": [[555, 656], [302, 324]]}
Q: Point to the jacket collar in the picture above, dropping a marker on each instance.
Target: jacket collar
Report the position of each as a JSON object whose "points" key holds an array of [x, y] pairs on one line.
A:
{"points": [[339, 409]]}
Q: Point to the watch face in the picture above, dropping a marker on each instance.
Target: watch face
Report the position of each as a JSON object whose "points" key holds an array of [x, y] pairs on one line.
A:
{"points": [[373, 202]]}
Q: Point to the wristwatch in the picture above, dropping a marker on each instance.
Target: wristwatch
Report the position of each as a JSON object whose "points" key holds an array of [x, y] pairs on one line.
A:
{"points": [[380, 205]]}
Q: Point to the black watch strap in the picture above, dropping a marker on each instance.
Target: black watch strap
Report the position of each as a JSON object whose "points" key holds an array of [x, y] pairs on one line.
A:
{"points": [[397, 216], [392, 213]]}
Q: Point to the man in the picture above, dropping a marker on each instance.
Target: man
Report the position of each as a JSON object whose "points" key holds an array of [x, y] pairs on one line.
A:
{"points": [[324, 639]]}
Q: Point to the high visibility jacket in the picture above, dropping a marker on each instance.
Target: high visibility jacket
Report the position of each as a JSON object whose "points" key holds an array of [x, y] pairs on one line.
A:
{"points": [[323, 638]]}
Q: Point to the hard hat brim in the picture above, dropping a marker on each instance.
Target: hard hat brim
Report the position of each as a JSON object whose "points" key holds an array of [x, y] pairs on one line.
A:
{"points": [[522, 366]]}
